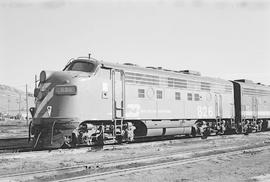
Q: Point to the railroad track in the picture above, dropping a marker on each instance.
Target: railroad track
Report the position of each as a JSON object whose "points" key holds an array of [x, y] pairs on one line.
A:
{"points": [[21, 144], [119, 172], [14, 144], [103, 170]]}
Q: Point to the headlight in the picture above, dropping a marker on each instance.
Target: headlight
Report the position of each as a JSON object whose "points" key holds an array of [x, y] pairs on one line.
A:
{"points": [[65, 90], [44, 75]]}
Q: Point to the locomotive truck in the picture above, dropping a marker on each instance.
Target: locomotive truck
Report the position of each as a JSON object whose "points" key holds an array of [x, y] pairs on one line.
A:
{"points": [[94, 102]]}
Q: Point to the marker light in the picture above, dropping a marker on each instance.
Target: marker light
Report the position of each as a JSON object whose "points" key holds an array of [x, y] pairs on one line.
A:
{"points": [[36, 92], [65, 90]]}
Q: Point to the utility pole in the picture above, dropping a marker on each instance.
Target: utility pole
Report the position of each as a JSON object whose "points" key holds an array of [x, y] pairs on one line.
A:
{"points": [[36, 81], [26, 104], [20, 105], [8, 106]]}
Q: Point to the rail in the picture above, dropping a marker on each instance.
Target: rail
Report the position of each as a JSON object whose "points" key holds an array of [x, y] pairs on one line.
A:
{"points": [[14, 144]]}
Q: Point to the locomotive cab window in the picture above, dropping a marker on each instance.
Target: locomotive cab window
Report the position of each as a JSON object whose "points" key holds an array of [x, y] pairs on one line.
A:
{"points": [[82, 66]]}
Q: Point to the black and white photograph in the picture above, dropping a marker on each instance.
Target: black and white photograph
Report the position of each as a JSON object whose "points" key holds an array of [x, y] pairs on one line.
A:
{"points": [[135, 90]]}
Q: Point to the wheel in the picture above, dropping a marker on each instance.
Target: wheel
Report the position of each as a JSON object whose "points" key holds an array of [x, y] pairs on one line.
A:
{"points": [[205, 133], [193, 131], [74, 140], [119, 139], [238, 130]]}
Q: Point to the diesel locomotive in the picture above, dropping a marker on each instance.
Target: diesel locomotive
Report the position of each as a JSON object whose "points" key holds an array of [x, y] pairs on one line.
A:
{"points": [[94, 102]]}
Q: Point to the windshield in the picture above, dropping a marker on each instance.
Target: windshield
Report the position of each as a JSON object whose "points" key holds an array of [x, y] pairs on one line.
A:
{"points": [[81, 66]]}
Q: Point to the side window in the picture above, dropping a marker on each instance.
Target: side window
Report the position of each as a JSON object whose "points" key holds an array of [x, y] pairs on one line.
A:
{"points": [[196, 97], [189, 96], [177, 96], [141, 93], [159, 94]]}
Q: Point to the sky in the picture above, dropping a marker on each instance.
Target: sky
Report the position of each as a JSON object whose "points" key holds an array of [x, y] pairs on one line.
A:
{"points": [[228, 39]]}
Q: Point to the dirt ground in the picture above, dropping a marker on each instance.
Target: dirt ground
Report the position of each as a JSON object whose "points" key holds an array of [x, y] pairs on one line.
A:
{"points": [[248, 167], [240, 167]]}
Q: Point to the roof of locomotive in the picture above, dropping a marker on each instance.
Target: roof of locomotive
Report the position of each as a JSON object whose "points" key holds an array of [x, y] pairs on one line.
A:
{"points": [[164, 72], [152, 70], [250, 84]]}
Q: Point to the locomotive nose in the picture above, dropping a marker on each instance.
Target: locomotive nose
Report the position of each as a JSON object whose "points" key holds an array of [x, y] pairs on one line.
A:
{"points": [[52, 90], [47, 81]]}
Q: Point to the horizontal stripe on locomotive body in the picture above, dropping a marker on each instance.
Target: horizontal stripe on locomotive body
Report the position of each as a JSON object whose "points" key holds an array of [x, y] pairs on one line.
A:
{"points": [[259, 113], [190, 87], [179, 81], [42, 108], [256, 91], [169, 78]]}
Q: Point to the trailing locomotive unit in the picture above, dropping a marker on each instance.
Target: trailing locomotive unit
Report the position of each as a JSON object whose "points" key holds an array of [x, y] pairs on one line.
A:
{"points": [[93, 101], [252, 106]]}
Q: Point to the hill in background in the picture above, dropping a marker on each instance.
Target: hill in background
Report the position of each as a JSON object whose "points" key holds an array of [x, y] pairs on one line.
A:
{"points": [[13, 101]]}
